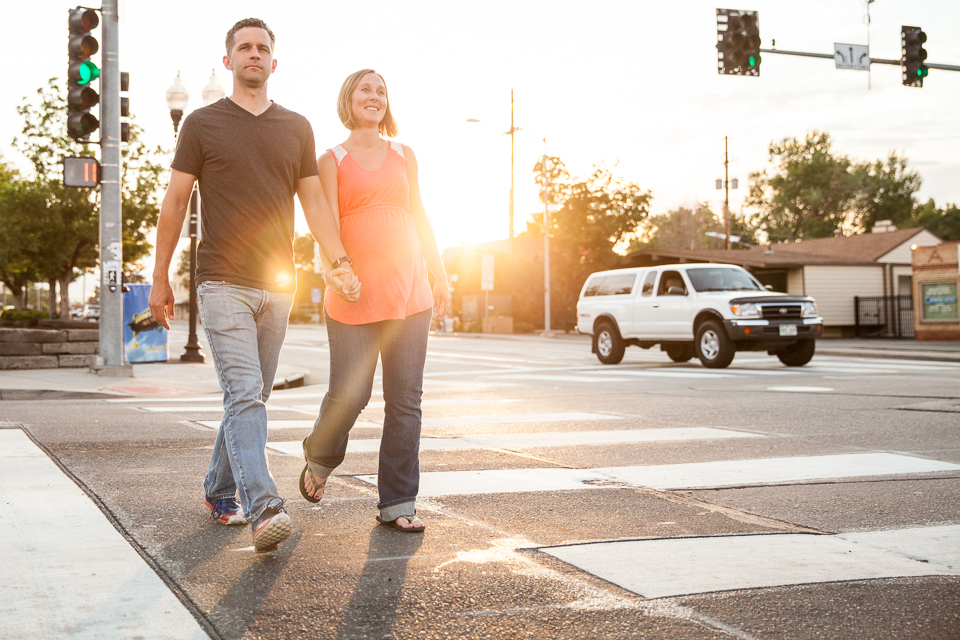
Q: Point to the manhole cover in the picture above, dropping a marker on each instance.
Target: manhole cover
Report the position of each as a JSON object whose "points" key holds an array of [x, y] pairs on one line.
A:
{"points": [[140, 389]]}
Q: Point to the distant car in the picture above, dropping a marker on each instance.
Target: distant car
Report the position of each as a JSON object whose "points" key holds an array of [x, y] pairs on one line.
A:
{"points": [[91, 312], [710, 311]]}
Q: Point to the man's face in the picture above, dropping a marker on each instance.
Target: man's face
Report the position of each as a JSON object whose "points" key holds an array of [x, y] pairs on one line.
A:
{"points": [[251, 59]]}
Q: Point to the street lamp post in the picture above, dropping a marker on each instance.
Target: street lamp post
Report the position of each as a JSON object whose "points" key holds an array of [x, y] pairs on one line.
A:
{"points": [[546, 243], [177, 97]]}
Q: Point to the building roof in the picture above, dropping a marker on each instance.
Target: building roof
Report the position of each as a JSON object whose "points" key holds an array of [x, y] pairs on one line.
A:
{"points": [[859, 249]]}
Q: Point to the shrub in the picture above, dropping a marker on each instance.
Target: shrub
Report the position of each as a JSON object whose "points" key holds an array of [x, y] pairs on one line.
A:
{"points": [[522, 327], [473, 327], [30, 316]]}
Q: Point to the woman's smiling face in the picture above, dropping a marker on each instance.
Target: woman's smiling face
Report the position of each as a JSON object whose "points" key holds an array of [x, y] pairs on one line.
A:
{"points": [[370, 101]]}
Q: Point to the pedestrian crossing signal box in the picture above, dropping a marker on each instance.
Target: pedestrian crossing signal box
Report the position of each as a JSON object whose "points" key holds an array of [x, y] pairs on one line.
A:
{"points": [[81, 172]]}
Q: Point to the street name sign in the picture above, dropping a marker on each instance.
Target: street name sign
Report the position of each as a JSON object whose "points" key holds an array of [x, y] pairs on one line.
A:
{"points": [[851, 56]]}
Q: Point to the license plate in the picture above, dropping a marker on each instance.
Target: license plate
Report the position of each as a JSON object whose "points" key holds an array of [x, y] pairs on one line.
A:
{"points": [[788, 329]]}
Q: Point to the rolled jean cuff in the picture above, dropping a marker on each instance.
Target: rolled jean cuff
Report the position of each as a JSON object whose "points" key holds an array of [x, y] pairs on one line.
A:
{"points": [[402, 510], [275, 502], [319, 470]]}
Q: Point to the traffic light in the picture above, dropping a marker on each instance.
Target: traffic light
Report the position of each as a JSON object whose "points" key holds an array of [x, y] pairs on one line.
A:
{"points": [[911, 62], [81, 97], [738, 42]]}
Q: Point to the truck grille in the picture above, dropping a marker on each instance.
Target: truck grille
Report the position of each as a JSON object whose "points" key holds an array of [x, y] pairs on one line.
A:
{"points": [[780, 311]]}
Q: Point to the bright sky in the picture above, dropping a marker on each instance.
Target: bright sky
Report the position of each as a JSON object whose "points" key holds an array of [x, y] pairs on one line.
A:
{"points": [[630, 83]]}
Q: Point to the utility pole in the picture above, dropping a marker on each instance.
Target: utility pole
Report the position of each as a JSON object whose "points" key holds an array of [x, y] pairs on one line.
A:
{"points": [[546, 243], [110, 361], [513, 130], [726, 195]]}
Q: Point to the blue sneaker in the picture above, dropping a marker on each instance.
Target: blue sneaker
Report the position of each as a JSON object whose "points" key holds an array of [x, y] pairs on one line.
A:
{"points": [[271, 528], [226, 510]]}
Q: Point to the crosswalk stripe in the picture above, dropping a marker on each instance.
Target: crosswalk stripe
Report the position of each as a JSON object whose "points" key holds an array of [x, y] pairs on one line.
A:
{"points": [[530, 440], [727, 473], [284, 424], [67, 571], [476, 420], [683, 566], [217, 408], [426, 402]]}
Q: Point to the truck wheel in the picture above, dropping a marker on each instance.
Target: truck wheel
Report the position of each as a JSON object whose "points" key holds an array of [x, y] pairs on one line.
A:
{"points": [[713, 346], [680, 352], [609, 345], [799, 354]]}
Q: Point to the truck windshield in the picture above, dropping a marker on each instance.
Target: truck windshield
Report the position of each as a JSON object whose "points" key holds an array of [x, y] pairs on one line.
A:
{"points": [[722, 279]]}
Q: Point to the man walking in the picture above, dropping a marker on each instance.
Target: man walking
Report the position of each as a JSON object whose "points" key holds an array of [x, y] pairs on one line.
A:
{"points": [[250, 156]]}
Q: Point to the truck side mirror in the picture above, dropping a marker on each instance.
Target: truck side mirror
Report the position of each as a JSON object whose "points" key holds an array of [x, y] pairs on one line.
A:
{"points": [[676, 291], [768, 287]]}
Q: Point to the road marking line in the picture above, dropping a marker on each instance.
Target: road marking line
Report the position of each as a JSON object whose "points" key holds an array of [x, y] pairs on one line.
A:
{"points": [[732, 473], [218, 409], [531, 440], [465, 421], [90, 583], [727, 473], [442, 402], [802, 389], [683, 566], [286, 424]]}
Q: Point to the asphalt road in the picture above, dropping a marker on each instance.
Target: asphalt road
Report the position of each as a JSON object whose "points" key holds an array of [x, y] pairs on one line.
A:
{"points": [[563, 498]]}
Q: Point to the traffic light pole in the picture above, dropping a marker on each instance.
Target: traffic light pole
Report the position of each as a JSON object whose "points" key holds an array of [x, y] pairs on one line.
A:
{"points": [[110, 361], [830, 56], [726, 194]]}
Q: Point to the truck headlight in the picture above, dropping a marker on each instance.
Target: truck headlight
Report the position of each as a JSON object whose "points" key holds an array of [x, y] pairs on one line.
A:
{"points": [[745, 310], [809, 310]]}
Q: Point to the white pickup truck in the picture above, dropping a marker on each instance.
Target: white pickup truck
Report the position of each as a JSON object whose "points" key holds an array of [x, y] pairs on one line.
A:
{"points": [[710, 311]]}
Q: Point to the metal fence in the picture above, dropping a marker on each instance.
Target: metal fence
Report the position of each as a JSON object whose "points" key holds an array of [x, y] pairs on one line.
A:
{"points": [[884, 316]]}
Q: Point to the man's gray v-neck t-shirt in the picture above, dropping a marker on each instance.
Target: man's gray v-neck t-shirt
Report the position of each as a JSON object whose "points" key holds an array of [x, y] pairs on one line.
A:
{"points": [[248, 168]]}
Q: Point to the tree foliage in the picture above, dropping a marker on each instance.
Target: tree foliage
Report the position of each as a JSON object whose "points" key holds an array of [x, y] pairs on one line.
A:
{"points": [[591, 215], [687, 229], [58, 227]]}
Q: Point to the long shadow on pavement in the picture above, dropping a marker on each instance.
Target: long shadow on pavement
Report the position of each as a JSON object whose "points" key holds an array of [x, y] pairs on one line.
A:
{"points": [[373, 607], [241, 604]]}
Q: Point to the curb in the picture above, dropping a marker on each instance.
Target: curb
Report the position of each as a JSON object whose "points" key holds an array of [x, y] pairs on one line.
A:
{"points": [[890, 354]]}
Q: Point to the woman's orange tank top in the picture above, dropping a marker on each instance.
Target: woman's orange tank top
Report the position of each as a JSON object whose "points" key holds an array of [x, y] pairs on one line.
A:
{"points": [[379, 235]]}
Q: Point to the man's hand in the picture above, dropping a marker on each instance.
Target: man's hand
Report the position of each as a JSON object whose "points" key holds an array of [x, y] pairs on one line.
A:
{"points": [[161, 302], [344, 282]]}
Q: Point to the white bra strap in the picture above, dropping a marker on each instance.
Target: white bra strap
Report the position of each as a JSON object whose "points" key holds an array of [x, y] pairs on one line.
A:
{"points": [[398, 147], [339, 153]]}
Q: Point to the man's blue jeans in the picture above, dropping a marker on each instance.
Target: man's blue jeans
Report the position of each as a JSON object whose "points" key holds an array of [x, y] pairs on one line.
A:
{"points": [[402, 347], [245, 328]]}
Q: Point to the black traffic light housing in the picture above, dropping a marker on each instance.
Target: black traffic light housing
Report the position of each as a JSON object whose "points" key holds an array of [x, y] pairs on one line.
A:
{"points": [[913, 56], [738, 42], [81, 97]]}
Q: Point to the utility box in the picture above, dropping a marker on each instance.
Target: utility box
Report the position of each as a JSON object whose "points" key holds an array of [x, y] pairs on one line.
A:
{"points": [[497, 324], [144, 340], [936, 281]]}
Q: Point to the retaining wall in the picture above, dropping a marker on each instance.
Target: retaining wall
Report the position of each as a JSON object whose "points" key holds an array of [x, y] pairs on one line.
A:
{"points": [[48, 348]]}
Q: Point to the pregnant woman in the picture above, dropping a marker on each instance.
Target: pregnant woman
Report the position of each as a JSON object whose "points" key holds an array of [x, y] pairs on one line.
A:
{"points": [[371, 184]]}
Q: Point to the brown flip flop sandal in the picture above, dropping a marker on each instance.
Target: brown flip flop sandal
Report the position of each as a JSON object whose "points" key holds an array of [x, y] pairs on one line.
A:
{"points": [[393, 524], [303, 487]]}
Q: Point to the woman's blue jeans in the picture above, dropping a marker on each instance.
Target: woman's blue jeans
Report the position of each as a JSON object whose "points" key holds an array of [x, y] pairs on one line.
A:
{"points": [[402, 347], [245, 328]]}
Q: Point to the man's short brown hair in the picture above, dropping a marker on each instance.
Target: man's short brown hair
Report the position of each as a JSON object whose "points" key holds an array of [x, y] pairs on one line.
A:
{"points": [[248, 22]]}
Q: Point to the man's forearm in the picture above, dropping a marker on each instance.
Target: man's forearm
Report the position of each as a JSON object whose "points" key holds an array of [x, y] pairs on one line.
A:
{"points": [[168, 235], [324, 229]]}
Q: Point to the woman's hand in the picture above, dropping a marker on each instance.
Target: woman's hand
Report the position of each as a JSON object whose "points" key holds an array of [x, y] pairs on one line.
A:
{"points": [[441, 297], [345, 283]]}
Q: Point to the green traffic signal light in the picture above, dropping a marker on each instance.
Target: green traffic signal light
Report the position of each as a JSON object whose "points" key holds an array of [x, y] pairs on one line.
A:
{"points": [[88, 73]]}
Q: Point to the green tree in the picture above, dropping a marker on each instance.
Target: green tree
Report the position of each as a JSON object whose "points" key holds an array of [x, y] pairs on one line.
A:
{"points": [[943, 223], [809, 193], [60, 224], [16, 270], [884, 191], [592, 215]]}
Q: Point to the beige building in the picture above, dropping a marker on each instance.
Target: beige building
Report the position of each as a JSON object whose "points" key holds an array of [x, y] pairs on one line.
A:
{"points": [[834, 271]]}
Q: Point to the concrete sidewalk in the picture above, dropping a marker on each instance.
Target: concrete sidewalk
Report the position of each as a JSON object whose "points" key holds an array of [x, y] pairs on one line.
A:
{"points": [[889, 348]]}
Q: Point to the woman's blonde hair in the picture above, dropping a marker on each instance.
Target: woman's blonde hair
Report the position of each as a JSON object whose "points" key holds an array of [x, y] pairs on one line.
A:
{"points": [[388, 126]]}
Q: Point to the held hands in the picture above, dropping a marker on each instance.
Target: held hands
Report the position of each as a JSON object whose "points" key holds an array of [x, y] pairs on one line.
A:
{"points": [[161, 302], [344, 282], [441, 297]]}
